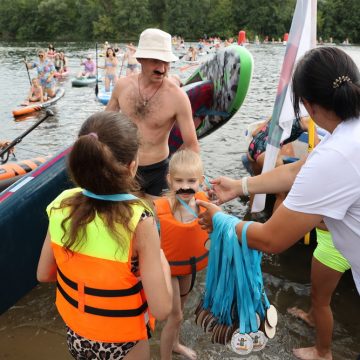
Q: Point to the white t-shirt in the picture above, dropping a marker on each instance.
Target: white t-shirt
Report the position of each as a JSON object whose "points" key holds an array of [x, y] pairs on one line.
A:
{"points": [[328, 184]]}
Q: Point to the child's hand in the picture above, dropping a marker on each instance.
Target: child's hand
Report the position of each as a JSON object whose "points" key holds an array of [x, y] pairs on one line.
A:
{"points": [[205, 218]]}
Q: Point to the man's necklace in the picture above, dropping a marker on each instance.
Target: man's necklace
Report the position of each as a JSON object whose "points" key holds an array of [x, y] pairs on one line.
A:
{"points": [[144, 100]]}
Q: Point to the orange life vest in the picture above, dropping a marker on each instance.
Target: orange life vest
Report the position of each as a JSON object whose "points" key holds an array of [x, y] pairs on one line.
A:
{"points": [[183, 243], [98, 298]]}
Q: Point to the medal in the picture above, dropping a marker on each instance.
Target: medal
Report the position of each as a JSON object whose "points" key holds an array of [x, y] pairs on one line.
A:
{"points": [[199, 307], [229, 333], [269, 331], [209, 326], [259, 340], [200, 317], [207, 244], [214, 334], [258, 320], [241, 344], [271, 316], [205, 319]]}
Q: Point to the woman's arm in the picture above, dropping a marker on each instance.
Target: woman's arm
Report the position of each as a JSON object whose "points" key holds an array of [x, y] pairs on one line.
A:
{"points": [[275, 181], [154, 269], [282, 230], [46, 271]]}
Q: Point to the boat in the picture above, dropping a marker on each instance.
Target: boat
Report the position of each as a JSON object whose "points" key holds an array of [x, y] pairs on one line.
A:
{"points": [[23, 224], [37, 106], [23, 220], [83, 81]]}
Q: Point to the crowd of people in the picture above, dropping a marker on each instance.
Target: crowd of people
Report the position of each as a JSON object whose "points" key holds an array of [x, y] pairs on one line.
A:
{"points": [[48, 65], [115, 243]]}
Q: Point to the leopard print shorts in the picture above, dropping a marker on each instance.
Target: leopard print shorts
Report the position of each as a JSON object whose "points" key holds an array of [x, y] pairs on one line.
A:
{"points": [[83, 349]]}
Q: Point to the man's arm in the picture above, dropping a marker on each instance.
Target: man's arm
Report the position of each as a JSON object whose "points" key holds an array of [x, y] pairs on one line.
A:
{"points": [[113, 104], [185, 122]]}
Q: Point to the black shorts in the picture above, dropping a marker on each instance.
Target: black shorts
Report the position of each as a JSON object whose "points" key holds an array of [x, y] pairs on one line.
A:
{"points": [[152, 178]]}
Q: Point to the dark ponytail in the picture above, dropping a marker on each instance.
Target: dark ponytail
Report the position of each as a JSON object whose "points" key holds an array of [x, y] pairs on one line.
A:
{"points": [[328, 77], [99, 162]]}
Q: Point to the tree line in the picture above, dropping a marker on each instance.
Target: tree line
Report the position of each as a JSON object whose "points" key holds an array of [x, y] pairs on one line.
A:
{"points": [[123, 20]]}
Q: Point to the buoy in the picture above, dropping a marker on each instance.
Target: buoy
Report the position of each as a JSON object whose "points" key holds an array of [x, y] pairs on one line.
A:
{"points": [[286, 36], [241, 37]]}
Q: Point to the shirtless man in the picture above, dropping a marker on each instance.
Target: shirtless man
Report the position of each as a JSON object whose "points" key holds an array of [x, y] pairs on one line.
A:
{"points": [[154, 103], [132, 63]]}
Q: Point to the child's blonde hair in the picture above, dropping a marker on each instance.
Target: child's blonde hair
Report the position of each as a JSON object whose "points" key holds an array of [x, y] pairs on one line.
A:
{"points": [[186, 162]]}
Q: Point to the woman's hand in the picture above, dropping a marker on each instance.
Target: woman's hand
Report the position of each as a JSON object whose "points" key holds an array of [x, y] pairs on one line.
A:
{"points": [[205, 218], [225, 189]]}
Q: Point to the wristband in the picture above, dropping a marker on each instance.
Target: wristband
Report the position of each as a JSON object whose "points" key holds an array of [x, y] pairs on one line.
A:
{"points": [[244, 185]]}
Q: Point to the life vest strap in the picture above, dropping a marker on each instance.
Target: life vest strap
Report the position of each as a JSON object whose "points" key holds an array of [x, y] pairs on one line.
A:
{"points": [[102, 292], [189, 261], [192, 262], [103, 312]]}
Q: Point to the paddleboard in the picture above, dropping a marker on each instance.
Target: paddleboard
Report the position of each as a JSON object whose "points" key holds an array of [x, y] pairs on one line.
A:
{"points": [[104, 96], [37, 106], [23, 224], [201, 94], [229, 71], [62, 74], [83, 81]]}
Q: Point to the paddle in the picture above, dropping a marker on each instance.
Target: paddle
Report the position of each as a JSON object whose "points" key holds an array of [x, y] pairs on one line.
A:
{"points": [[122, 64], [27, 70], [19, 138], [96, 59]]}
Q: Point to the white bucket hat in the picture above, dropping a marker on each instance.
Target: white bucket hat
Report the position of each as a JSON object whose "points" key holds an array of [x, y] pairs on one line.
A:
{"points": [[155, 44]]}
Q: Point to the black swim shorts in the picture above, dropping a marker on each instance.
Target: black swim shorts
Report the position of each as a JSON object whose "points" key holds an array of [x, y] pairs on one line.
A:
{"points": [[152, 178]]}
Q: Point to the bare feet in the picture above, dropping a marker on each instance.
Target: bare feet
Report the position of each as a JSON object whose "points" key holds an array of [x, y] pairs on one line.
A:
{"points": [[185, 351], [311, 353], [301, 314]]}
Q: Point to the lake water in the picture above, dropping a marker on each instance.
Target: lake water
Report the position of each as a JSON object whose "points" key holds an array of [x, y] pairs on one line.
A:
{"points": [[32, 328]]}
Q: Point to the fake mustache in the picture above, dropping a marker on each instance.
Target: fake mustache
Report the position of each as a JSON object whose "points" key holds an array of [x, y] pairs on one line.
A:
{"points": [[185, 191]]}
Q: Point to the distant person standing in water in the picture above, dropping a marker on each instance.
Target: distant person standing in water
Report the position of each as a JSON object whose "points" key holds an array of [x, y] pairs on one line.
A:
{"points": [[154, 103], [110, 65], [132, 63]]}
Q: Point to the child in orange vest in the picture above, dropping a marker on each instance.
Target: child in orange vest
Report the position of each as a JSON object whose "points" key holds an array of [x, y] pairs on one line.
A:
{"points": [[183, 241], [103, 248]]}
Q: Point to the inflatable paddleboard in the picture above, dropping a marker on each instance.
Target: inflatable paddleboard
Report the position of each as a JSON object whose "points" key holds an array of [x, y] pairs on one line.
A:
{"points": [[23, 224], [37, 106], [230, 71], [12, 169], [62, 75], [104, 96], [83, 81], [201, 95]]}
